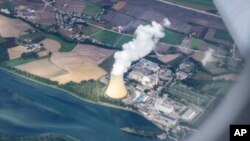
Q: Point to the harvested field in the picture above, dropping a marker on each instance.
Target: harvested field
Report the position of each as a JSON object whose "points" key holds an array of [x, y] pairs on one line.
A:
{"points": [[51, 45], [43, 68], [82, 63], [12, 27], [198, 56], [119, 5], [143, 9], [215, 70], [42, 54], [46, 16], [168, 58], [72, 5], [77, 65], [228, 77], [16, 52]]}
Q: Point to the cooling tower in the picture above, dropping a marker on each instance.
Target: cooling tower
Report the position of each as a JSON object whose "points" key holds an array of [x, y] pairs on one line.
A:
{"points": [[116, 88]]}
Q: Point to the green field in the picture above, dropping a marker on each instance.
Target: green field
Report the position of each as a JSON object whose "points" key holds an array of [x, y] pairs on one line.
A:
{"points": [[1, 39], [89, 30], [172, 37], [223, 36], [214, 69], [202, 76], [4, 56], [217, 87], [20, 61], [65, 46], [92, 9], [117, 40], [124, 39], [196, 43], [32, 36], [190, 95], [7, 5], [45, 26], [203, 3], [107, 37]]}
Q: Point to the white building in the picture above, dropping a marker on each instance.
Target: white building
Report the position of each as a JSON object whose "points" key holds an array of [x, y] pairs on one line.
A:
{"points": [[189, 115], [181, 75], [6, 11]]}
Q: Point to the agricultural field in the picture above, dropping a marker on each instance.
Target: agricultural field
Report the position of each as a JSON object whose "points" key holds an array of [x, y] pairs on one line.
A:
{"points": [[196, 43], [172, 37], [113, 39], [217, 87], [106, 37], [20, 61], [1, 39], [35, 37], [214, 69], [123, 39], [223, 36], [12, 27], [39, 36], [190, 95], [80, 64], [16, 52], [198, 4], [51, 45], [7, 5], [227, 77], [202, 76], [4, 56], [92, 9], [65, 45], [90, 30], [84, 59], [168, 58], [43, 68], [45, 18], [197, 56]]}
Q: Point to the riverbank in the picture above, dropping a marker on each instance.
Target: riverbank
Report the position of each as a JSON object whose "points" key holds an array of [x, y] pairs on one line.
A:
{"points": [[33, 109], [60, 89], [80, 98]]}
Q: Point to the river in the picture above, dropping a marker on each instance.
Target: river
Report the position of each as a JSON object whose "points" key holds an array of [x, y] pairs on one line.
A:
{"points": [[28, 108]]}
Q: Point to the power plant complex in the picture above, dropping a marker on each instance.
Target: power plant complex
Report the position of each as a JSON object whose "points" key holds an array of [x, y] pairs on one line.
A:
{"points": [[146, 37]]}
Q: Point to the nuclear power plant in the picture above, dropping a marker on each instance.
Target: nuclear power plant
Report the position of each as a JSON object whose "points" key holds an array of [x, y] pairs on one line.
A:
{"points": [[116, 88], [146, 37]]}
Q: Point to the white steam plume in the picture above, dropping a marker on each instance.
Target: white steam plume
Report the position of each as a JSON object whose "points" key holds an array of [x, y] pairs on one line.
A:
{"points": [[146, 37], [166, 22], [208, 57]]}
